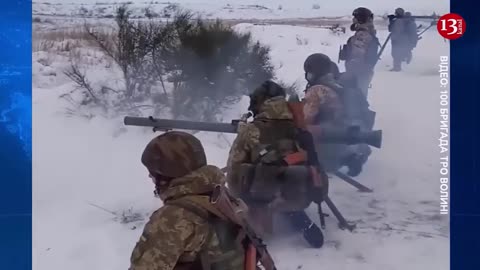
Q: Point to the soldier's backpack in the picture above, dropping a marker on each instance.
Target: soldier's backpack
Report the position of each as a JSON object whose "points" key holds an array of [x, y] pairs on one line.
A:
{"points": [[227, 218], [284, 145], [372, 51], [371, 57]]}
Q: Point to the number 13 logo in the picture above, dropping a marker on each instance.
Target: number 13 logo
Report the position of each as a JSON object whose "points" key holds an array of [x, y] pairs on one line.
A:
{"points": [[451, 26]]}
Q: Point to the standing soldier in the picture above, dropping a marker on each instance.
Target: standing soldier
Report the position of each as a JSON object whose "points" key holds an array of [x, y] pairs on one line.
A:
{"points": [[361, 51], [412, 35], [256, 167], [197, 227], [404, 37]]}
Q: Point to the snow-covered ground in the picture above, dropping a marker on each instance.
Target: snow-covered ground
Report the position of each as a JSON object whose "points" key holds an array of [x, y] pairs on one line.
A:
{"points": [[245, 9], [80, 163]]}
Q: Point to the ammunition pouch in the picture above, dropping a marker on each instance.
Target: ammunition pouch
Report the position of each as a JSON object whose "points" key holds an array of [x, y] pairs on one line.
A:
{"points": [[259, 183]]}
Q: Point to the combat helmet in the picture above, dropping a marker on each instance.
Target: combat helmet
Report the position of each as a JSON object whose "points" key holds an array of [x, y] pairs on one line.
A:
{"points": [[316, 65], [173, 154], [362, 15], [266, 90], [399, 12]]}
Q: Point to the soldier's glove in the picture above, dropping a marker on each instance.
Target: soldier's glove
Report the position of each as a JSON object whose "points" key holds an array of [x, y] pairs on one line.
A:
{"points": [[391, 17]]}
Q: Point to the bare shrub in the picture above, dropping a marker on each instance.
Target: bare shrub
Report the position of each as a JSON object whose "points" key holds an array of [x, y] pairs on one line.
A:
{"points": [[212, 67], [65, 39], [82, 82], [194, 68], [131, 49]]}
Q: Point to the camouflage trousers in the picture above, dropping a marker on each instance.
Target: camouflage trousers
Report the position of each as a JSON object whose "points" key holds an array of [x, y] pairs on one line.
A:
{"points": [[401, 52], [364, 81], [283, 191], [270, 193]]}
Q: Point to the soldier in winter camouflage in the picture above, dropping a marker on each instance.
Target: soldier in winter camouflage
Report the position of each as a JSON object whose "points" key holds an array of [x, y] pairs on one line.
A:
{"points": [[262, 144], [404, 37], [322, 102], [248, 138], [325, 105], [412, 35], [322, 105], [361, 49], [181, 234]]}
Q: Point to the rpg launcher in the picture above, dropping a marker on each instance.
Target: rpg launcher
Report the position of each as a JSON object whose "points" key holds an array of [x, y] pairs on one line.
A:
{"points": [[420, 17], [327, 134]]}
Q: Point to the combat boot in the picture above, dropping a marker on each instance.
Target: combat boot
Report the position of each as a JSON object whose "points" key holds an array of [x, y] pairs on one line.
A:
{"points": [[300, 221], [397, 65], [409, 58]]}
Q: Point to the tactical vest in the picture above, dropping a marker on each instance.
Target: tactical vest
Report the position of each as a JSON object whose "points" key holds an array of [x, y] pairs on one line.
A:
{"points": [[371, 56], [278, 139], [229, 237], [372, 52]]}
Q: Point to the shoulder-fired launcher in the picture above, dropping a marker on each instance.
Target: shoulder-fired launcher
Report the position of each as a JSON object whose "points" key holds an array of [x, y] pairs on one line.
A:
{"points": [[431, 17], [324, 134]]}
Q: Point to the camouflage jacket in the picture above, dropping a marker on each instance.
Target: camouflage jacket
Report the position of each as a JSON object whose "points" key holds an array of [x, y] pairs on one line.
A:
{"points": [[400, 30], [175, 236], [322, 104], [248, 139], [358, 45]]}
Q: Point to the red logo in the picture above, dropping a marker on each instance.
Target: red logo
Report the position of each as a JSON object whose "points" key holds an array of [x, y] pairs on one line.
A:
{"points": [[451, 26]]}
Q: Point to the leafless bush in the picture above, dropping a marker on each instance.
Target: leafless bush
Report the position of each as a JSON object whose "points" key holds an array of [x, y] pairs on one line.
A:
{"points": [[64, 40], [43, 45], [79, 78], [149, 13], [131, 49], [212, 67], [195, 68]]}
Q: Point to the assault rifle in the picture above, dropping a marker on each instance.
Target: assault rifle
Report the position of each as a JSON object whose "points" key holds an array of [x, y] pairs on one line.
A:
{"points": [[235, 210], [350, 135]]}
